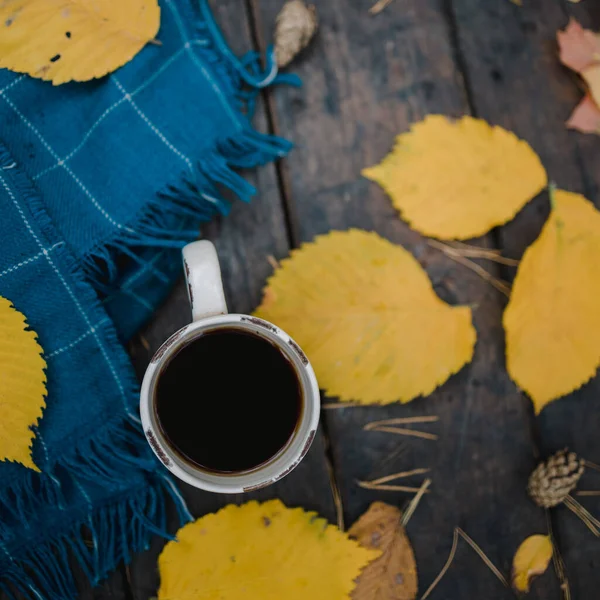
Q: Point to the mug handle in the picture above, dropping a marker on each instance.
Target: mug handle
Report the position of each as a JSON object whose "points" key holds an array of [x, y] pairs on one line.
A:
{"points": [[203, 278]]}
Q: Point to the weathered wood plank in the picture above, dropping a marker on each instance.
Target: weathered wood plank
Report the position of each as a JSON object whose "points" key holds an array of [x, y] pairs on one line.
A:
{"points": [[510, 56], [244, 240], [366, 79]]}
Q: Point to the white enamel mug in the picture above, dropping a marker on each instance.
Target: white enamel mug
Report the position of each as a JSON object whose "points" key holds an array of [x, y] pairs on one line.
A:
{"points": [[209, 313]]}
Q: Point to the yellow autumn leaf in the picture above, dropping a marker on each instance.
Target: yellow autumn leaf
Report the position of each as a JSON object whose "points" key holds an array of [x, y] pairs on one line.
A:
{"points": [[552, 321], [531, 559], [459, 179], [22, 385], [260, 551], [74, 40], [365, 313]]}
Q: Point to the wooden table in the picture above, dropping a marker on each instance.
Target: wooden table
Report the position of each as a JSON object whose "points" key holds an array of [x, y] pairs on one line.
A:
{"points": [[366, 79]]}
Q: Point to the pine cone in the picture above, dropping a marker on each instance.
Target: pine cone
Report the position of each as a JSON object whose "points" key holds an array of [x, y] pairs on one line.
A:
{"points": [[295, 26], [552, 480]]}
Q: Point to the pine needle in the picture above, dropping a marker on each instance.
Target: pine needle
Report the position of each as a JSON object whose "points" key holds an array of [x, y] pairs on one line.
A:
{"points": [[465, 246], [591, 465], [337, 501], [379, 6], [399, 475], [588, 493], [333, 486], [501, 286], [408, 513], [400, 421], [467, 251], [557, 561], [408, 432], [458, 531], [483, 557], [272, 261], [367, 485], [445, 567], [330, 405], [586, 517]]}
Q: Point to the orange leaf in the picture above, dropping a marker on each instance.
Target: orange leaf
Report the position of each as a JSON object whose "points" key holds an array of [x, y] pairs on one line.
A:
{"points": [[580, 51], [585, 117], [393, 575], [579, 47]]}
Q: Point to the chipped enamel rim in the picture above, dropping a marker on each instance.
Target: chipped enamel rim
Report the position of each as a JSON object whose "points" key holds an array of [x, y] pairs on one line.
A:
{"points": [[285, 461]]}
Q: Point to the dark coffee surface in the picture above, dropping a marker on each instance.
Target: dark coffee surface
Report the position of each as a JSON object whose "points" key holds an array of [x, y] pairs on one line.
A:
{"points": [[228, 401]]}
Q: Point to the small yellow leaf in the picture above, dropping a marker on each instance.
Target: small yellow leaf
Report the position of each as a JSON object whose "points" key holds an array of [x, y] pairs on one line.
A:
{"points": [[531, 559], [552, 321], [393, 575], [262, 552], [365, 313], [459, 179], [22, 385], [68, 40]]}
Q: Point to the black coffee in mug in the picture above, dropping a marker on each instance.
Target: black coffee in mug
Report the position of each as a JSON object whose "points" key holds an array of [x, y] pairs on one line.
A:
{"points": [[228, 401]]}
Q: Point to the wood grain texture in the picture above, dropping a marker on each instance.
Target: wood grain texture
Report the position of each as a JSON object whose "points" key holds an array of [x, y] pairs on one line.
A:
{"points": [[244, 241], [366, 79], [516, 80]]}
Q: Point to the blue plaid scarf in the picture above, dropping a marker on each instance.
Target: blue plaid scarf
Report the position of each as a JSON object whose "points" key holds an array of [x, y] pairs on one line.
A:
{"points": [[101, 183]]}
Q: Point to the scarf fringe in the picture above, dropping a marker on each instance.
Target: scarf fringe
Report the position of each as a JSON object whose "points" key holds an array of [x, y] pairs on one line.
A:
{"points": [[172, 219], [198, 198], [108, 536]]}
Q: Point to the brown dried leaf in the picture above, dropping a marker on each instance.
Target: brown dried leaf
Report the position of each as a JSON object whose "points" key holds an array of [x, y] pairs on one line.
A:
{"points": [[392, 576]]}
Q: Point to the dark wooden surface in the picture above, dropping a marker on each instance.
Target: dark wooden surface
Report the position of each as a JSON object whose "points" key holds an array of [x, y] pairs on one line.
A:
{"points": [[367, 78]]}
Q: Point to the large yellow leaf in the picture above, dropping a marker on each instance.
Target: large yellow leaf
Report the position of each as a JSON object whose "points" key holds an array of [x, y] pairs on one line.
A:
{"points": [[65, 40], [365, 313], [552, 321], [260, 552], [459, 179], [22, 385], [531, 560]]}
